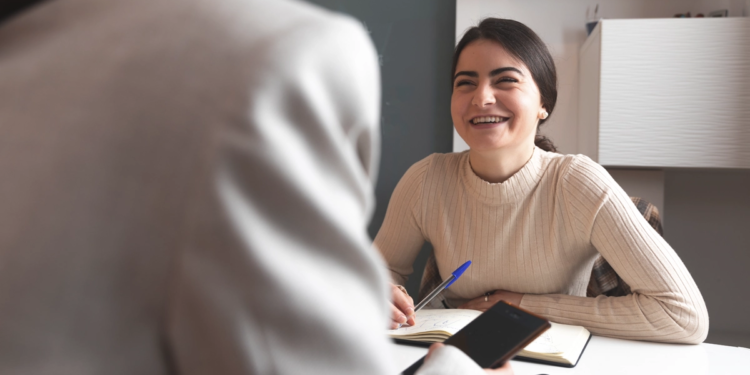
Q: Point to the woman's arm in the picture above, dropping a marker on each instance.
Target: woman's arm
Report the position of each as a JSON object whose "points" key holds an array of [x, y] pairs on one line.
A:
{"points": [[666, 304], [401, 237]]}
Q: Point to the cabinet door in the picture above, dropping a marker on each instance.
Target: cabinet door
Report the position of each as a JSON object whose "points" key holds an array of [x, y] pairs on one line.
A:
{"points": [[675, 93]]}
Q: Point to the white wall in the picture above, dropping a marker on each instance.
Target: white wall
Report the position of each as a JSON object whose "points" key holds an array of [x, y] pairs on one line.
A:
{"points": [[561, 25]]}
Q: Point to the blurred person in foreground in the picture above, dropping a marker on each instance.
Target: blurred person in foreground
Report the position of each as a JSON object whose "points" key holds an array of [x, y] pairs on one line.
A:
{"points": [[183, 185]]}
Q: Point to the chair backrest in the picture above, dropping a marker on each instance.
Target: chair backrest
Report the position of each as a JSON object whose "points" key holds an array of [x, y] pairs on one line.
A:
{"points": [[604, 280]]}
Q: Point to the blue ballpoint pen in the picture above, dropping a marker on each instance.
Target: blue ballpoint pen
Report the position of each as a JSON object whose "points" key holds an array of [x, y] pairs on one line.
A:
{"points": [[444, 285]]}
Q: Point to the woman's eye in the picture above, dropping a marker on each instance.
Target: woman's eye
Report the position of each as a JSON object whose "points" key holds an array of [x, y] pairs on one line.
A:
{"points": [[507, 79], [464, 83]]}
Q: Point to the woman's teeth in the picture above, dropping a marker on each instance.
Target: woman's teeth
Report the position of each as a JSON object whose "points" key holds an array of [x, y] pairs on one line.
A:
{"points": [[487, 119]]}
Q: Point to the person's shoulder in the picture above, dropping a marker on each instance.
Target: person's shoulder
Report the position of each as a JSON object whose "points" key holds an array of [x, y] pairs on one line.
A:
{"points": [[302, 58], [436, 165], [450, 161], [336, 26], [442, 166], [268, 16], [579, 173], [282, 20], [584, 166], [568, 165], [420, 168]]}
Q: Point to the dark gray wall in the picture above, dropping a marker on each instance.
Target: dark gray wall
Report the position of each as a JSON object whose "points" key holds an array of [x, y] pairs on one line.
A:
{"points": [[707, 222], [415, 42]]}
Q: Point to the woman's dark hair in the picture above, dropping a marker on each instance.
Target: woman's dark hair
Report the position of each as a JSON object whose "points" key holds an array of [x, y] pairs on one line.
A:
{"points": [[522, 43]]}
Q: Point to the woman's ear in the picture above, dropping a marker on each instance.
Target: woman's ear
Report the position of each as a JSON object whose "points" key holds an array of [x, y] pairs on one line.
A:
{"points": [[543, 114]]}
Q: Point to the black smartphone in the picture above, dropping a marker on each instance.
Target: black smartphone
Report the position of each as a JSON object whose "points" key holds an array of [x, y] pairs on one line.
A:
{"points": [[495, 336]]}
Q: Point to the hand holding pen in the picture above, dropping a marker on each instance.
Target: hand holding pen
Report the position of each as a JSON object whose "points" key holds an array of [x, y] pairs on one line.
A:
{"points": [[403, 310]]}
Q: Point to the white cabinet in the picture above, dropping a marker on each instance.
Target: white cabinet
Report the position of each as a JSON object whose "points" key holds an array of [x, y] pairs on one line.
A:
{"points": [[665, 93]]}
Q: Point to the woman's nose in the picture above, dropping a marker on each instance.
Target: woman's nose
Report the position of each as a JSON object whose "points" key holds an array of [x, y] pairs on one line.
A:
{"points": [[483, 96]]}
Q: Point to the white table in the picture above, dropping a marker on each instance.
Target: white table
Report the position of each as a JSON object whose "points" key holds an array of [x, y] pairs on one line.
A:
{"points": [[614, 357]]}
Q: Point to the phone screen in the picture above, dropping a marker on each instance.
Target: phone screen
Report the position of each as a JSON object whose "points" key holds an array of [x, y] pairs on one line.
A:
{"points": [[495, 336]]}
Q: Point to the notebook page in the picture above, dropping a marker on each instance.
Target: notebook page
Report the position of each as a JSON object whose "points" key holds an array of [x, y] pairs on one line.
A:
{"points": [[557, 339], [438, 320]]}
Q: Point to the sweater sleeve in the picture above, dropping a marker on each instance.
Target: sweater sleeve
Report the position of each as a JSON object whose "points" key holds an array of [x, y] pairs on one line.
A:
{"points": [[401, 237], [665, 305]]}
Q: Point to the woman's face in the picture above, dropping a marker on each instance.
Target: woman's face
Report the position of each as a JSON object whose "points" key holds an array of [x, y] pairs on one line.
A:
{"points": [[495, 104]]}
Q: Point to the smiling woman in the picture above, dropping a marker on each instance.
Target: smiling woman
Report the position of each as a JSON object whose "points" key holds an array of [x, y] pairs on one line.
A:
{"points": [[504, 87], [532, 221], [516, 59]]}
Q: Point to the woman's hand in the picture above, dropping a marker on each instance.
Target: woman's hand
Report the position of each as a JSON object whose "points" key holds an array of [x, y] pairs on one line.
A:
{"points": [[485, 301], [402, 308], [504, 370]]}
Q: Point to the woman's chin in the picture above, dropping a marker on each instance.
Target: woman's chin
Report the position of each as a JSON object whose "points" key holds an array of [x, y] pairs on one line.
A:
{"points": [[484, 146], [488, 142]]}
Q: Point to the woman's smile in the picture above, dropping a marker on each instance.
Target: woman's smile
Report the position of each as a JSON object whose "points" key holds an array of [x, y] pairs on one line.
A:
{"points": [[487, 122]]}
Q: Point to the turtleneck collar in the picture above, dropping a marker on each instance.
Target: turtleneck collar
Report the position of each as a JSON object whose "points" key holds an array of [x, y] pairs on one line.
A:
{"points": [[511, 190]]}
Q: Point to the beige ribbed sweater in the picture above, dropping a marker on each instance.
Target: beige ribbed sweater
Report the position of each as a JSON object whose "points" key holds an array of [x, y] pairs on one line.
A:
{"points": [[539, 233]]}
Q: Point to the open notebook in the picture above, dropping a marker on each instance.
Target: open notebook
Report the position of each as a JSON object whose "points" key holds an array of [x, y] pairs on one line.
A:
{"points": [[561, 345]]}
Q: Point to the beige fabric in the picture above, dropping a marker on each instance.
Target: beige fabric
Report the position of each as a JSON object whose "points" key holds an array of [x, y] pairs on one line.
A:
{"points": [[539, 233], [185, 189], [604, 280]]}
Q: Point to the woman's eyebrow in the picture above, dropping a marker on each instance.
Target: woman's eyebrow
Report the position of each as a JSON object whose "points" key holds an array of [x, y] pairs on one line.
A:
{"points": [[466, 73], [492, 73], [505, 69]]}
